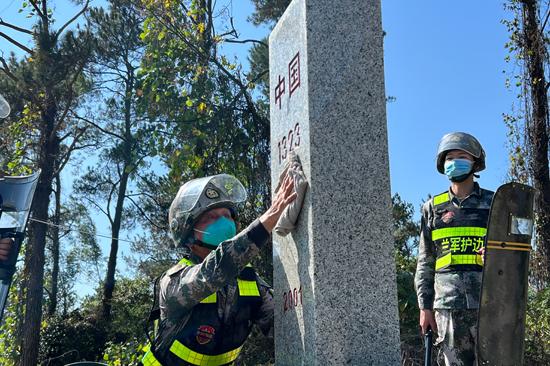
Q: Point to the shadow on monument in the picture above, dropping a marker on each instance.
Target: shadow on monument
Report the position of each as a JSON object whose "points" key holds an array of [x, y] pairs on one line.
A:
{"points": [[294, 297]]}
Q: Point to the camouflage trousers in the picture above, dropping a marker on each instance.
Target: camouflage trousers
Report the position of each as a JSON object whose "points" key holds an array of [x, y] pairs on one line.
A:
{"points": [[456, 335]]}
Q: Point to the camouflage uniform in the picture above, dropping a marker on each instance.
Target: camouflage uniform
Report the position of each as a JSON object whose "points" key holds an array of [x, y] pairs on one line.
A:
{"points": [[183, 287], [452, 289]]}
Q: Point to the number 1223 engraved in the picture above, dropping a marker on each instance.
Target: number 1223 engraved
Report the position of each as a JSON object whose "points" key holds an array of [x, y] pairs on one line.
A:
{"points": [[289, 142]]}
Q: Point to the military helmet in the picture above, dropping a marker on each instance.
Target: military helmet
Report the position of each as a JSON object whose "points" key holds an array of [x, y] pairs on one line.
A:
{"points": [[198, 196], [460, 141]]}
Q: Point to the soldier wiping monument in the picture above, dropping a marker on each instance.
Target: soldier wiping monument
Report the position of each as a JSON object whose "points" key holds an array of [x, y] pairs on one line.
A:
{"points": [[209, 301]]}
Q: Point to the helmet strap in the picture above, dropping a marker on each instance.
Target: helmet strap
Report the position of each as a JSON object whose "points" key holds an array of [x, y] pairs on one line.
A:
{"points": [[205, 245], [196, 241], [461, 178]]}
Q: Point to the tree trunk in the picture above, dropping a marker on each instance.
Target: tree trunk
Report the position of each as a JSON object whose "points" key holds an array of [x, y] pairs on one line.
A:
{"points": [[49, 149], [535, 57], [109, 286], [55, 247]]}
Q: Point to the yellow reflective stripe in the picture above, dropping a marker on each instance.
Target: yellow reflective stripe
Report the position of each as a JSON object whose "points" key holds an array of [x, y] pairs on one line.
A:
{"points": [[248, 288], [450, 232], [149, 359], [507, 243], [441, 198], [510, 248], [210, 299], [452, 259], [444, 261], [186, 261], [196, 358]]}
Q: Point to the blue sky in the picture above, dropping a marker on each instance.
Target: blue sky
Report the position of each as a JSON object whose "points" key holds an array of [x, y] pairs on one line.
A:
{"points": [[443, 64]]}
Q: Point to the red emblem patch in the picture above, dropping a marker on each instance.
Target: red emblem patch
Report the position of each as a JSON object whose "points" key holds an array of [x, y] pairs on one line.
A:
{"points": [[205, 333], [448, 217]]}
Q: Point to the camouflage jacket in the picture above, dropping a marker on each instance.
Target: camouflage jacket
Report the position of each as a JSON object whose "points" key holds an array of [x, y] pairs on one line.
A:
{"points": [[451, 289], [183, 287]]}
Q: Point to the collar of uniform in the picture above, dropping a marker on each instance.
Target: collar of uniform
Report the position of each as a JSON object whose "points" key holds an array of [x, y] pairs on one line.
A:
{"points": [[194, 258], [476, 192]]}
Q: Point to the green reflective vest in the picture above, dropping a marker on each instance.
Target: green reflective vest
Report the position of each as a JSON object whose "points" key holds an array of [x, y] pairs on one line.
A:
{"points": [[458, 234], [198, 342]]}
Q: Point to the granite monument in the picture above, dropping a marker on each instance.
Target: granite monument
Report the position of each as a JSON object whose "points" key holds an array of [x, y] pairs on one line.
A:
{"points": [[334, 276]]}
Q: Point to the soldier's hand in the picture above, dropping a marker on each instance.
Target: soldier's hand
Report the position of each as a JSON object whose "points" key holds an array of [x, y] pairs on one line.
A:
{"points": [[427, 320], [5, 245], [481, 252], [285, 195]]}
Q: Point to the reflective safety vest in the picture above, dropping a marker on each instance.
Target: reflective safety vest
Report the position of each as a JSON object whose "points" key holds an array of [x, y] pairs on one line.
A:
{"points": [[205, 340], [458, 234]]}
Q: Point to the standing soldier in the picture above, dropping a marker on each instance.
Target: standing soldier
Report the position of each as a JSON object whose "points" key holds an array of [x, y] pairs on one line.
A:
{"points": [[453, 226], [210, 300]]}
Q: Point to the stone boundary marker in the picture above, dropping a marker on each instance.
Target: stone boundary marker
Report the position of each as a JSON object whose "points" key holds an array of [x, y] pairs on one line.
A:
{"points": [[334, 276]]}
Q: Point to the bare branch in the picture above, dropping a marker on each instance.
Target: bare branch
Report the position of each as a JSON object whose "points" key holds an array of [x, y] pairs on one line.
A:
{"points": [[14, 42], [99, 208], [187, 12], [97, 126], [72, 19], [144, 214], [37, 9], [23, 30], [70, 149], [6, 70], [545, 21], [232, 32], [246, 41], [70, 96]]}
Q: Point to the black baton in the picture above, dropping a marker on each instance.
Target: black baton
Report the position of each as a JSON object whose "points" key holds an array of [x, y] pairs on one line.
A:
{"points": [[428, 346]]}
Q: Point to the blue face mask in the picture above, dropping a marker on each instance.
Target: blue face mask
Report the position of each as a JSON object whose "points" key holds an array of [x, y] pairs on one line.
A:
{"points": [[218, 231], [458, 168]]}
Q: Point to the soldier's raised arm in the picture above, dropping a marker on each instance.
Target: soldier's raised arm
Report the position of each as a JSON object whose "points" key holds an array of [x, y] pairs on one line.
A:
{"points": [[202, 217]]}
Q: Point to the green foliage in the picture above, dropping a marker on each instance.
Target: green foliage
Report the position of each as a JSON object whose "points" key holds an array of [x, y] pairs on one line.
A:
{"points": [[268, 11], [210, 122], [259, 67], [257, 351], [9, 350], [537, 337], [81, 334], [528, 122], [406, 235], [405, 229], [16, 131], [124, 354], [516, 120], [132, 302], [71, 338]]}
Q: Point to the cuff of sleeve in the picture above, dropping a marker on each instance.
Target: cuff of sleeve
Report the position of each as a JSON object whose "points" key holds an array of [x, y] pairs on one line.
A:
{"points": [[425, 305], [257, 233]]}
